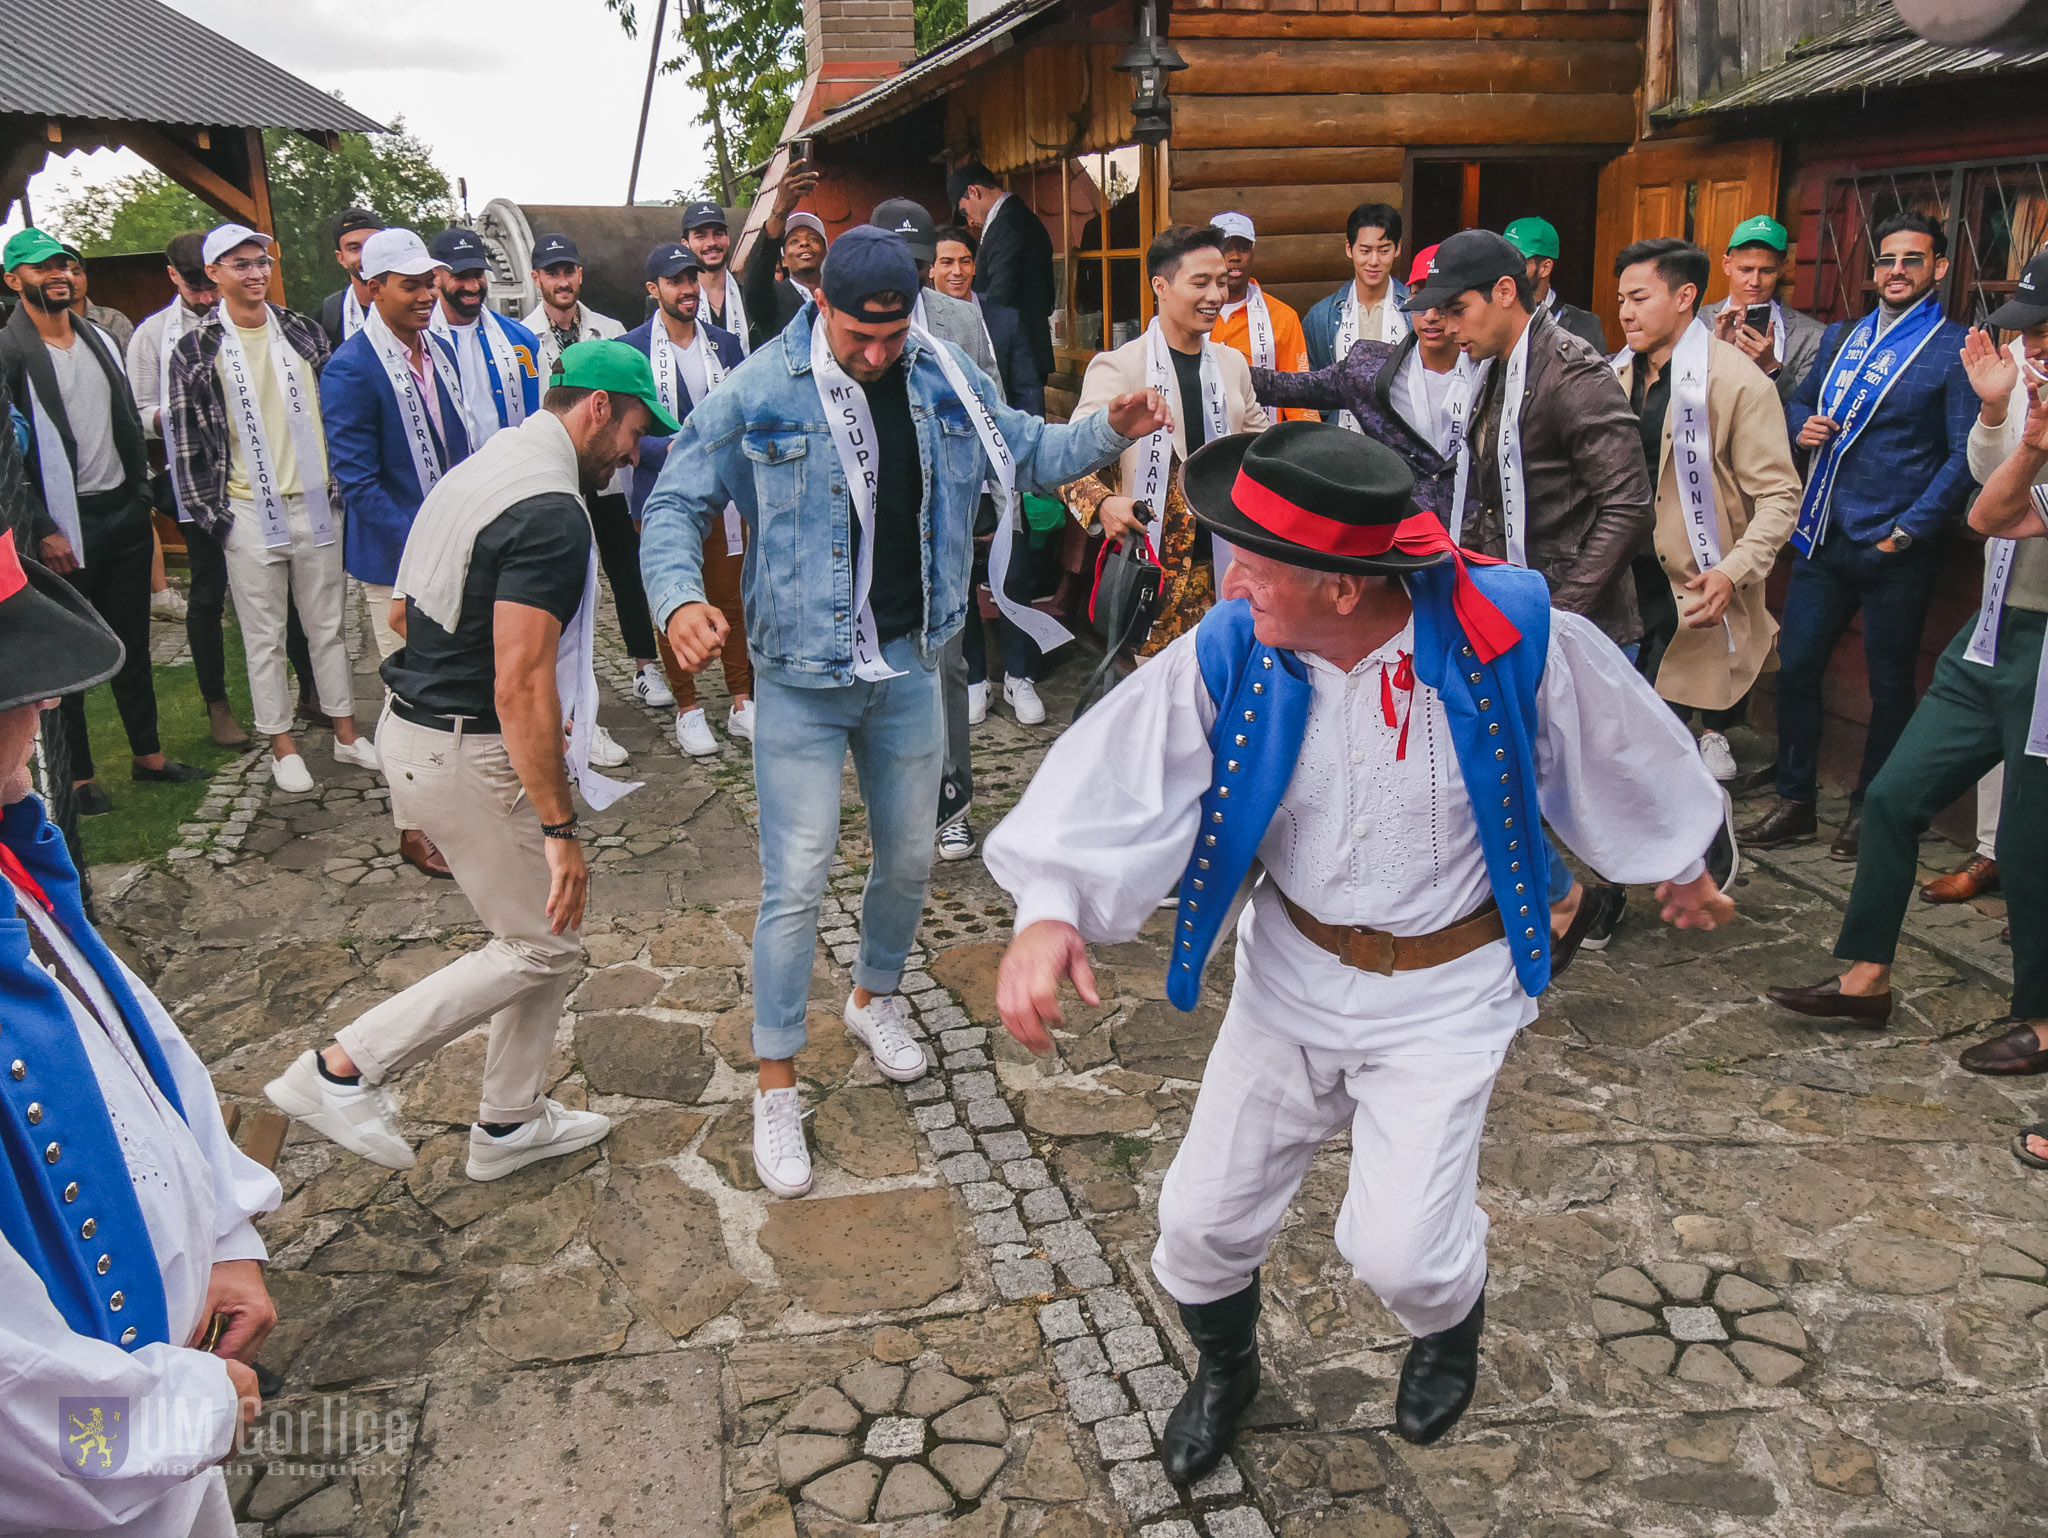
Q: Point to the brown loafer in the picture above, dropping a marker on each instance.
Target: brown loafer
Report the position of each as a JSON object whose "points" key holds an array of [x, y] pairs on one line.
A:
{"points": [[1848, 840], [1826, 1001], [2016, 1051], [1976, 878], [1787, 822], [418, 851]]}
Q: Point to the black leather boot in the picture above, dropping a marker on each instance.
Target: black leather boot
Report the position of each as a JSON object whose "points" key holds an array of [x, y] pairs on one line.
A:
{"points": [[1438, 1378], [1199, 1430]]}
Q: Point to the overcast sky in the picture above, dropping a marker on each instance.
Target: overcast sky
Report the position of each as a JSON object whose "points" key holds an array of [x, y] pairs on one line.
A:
{"points": [[533, 100]]}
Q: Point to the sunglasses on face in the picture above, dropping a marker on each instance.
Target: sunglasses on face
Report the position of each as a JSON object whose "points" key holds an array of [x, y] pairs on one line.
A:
{"points": [[1908, 261]]}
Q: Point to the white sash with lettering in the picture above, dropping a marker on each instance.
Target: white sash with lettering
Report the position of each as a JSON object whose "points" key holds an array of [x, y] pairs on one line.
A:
{"points": [[667, 361], [1393, 327], [295, 381], [501, 358], [736, 314], [351, 312], [1692, 451], [1258, 325], [60, 483], [1155, 454], [419, 426], [1514, 493], [853, 436], [177, 321], [1999, 555], [1455, 424]]}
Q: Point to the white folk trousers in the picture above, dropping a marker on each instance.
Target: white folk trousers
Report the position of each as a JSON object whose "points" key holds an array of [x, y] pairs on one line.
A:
{"points": [[1410, 1225], [266, 583]]}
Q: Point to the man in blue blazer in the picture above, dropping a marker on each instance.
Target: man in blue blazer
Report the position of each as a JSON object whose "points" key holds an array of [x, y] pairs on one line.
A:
{"points": [[1885, 412], [691, 357]]}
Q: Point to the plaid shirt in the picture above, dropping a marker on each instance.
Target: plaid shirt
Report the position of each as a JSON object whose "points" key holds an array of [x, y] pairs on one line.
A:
{"points": [[197, 411]]}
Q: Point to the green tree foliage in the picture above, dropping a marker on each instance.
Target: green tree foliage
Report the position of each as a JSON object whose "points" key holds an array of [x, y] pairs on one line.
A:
{"points": [[392, 174]]}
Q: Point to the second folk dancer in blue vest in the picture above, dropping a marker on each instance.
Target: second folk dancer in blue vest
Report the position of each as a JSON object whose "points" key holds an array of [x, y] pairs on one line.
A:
{"points": [[1384, 731]]}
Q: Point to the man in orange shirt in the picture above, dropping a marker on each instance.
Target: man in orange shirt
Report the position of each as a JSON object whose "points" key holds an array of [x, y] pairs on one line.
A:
{"points": [[1266, 331]]}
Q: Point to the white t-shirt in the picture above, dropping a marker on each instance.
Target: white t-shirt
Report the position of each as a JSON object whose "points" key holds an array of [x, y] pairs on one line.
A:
{"points": [[89, 403]]}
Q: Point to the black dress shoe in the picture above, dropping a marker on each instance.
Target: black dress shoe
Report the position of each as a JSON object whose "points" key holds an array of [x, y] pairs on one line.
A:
{"points": [[1787, 822], [172, 773], [1199, 1431], [1438, 1378], [1845, 845], [92, 801], [1826, 1001]]}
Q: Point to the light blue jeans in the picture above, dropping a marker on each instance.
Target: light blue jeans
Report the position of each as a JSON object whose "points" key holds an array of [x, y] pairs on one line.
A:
{"points": [[897, 732]]}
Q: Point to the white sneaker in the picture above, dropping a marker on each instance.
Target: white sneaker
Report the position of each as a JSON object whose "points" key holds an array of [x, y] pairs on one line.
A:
{"points": [[977, 703], [956, 840], [780, 1157], [882, 1026], [740, 721], [1718, 756], [556, 1131], [1021, 695], [290, 773], [605, 752], [169, 604], [650, 688], [357, 1116], [693, 734], [362, 753]]}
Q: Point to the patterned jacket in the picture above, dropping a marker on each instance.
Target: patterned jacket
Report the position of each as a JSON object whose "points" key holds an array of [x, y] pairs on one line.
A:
{"points": [[197, 409]]}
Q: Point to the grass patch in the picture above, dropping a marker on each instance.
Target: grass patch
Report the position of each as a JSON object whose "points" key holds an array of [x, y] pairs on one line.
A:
{"points": [[1127, 1154], [144, 821]]}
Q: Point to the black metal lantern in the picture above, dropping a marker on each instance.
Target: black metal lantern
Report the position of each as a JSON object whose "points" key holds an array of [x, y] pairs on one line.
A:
{"points": [[1148, 62]]}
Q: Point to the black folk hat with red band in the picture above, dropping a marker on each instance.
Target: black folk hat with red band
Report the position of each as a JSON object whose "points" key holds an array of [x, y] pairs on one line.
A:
{"points": [[51, 642], [1317, 495]]}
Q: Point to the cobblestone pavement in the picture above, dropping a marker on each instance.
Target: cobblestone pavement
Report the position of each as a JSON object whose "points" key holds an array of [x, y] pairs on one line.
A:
{"points": [[1748, 1275]]}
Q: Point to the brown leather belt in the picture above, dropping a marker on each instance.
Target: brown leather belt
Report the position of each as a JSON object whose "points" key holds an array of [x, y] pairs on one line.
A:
{"points": [[1374, 950]]}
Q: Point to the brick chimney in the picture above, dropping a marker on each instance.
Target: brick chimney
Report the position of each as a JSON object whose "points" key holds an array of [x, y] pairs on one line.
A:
{"points": [[849, 45]]}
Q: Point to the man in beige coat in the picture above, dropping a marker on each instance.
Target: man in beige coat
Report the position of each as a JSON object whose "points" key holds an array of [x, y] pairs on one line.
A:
{"points": [[1727, 491], [1209, 390]]}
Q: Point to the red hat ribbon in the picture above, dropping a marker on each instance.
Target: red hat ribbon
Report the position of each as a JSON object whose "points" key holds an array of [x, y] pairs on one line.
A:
{"points": [[1490, 631]]}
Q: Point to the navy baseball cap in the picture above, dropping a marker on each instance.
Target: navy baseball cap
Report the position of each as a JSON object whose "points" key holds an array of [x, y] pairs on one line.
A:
{"points": [[700, 216], [552, 249], [459, 250], [671, 259], [866, 261]]}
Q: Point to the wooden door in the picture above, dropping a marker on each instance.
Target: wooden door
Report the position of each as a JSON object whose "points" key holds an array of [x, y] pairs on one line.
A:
{"points": [[1695, 190]]}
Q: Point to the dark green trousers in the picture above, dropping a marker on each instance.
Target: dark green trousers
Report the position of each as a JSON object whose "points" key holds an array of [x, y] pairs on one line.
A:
{"points": [[1971, 718]]}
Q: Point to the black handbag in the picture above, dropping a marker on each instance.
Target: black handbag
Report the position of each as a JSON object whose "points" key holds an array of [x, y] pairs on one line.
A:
{"points": [[1128, 585]]}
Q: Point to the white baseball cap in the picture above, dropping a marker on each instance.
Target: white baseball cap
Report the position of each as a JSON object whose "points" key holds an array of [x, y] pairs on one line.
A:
{"points": [[1236, 227], [397, 250], [219, 242]]}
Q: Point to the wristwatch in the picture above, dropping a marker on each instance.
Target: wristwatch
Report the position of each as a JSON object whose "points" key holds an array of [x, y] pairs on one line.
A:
{"points": [[1901, 540]]}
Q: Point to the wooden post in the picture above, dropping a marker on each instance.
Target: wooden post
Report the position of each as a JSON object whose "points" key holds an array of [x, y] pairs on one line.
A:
{"points": [[1468, 197], [259, 200]]}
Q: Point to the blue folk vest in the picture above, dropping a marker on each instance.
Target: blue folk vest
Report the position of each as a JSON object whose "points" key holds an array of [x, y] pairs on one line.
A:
{"points": [[1263, 697], [68, 1207]]}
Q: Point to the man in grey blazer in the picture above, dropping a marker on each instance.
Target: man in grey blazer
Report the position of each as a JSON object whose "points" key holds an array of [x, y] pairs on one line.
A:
{"points": [[1754, 265]]}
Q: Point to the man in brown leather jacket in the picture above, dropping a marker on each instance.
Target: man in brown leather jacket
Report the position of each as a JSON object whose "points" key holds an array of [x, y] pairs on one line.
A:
{"points": [[1582, 509]]}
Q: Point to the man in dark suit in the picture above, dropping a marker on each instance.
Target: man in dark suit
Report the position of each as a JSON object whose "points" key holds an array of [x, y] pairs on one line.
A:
{"points": [[952, 273], [1015, 266], [342, 312], [1537, 240]]}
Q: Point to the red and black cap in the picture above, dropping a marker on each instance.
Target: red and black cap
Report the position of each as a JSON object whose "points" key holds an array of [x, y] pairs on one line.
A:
{"points": [[51, 641]]}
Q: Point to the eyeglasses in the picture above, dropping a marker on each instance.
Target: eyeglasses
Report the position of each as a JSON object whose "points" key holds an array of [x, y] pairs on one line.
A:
{"points": [[1905, 261], [253, 264]]}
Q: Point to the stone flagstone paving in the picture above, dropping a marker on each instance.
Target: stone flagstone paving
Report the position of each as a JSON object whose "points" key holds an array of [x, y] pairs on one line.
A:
{"points": [[1749, 1276]]}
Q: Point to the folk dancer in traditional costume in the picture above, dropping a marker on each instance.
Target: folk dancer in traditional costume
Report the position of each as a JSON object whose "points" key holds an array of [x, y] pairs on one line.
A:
{"points": [[133, 1277], [1382, 728]]}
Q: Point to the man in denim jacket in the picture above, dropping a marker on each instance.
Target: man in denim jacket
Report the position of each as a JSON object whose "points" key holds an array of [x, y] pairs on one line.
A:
{"points": [[845, 643]]}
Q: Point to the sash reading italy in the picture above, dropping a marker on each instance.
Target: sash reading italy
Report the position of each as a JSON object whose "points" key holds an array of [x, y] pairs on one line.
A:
{"points": [[1999, 555], [667, 361], [501, 361], [1393, 326], [259, 456], [1860, 378], [1155, 454], [419, 426], [1514, 491], [177, 321]]}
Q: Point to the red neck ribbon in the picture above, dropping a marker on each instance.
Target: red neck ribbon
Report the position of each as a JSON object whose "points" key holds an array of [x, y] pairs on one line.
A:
{"points": [[17, 873], [1490, 631], [1401, 676]]}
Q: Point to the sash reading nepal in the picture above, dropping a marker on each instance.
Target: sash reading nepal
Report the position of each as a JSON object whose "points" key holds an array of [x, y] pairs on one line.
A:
{"points": [[1456, 423], [667, 375], [69, 1209], [1393, 326], [1983, 648], [177, 321], [419, 427], [1856, 387], [1156, 457], [292, 373]]}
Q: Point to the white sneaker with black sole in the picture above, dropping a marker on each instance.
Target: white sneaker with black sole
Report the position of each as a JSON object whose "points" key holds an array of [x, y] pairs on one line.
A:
{"points": [[555, 1132], [1718, 756], [693, 733], [882, 1025], [650, 688], [957, 840], [780, 1157], [357, 1116]]}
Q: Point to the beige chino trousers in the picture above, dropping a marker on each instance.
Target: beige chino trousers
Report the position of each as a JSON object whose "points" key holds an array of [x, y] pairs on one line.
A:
{"points": [[459, 788]]}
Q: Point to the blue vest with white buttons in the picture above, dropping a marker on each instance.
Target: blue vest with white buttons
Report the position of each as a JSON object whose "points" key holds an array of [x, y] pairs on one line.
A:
{"points": [[1263, 696], [68, 1207]]}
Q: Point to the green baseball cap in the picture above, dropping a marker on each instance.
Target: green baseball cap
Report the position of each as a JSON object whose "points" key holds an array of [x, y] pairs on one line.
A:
{"points": [[1762, 230], [616, 367], [1533, 237], [31, 247]]}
